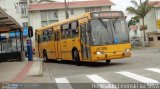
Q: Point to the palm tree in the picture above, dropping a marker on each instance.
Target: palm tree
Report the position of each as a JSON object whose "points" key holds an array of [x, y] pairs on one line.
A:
{"points": [[140, 10]]}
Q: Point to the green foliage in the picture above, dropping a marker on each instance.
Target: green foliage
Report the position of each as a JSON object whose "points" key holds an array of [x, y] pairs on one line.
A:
{"points": [[133, 21], [141, 9]]}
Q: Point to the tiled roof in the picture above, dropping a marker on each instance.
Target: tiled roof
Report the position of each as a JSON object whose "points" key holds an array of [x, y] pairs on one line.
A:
{"points": [[156, 3], [77, 4]]}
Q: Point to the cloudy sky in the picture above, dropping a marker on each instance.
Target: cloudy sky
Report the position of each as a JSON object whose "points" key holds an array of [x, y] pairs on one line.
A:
{"points": [[120, 5]]}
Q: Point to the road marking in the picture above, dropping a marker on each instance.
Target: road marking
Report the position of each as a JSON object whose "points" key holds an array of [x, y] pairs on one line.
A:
{"points": [[138, 77], [154, 70], [101, 83], [63, 83]]}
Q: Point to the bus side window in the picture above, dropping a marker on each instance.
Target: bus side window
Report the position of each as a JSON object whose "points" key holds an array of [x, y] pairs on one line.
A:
{"points": [[58, 36], [74, 29], [36, 36], [62, 33], [45, 35], [39, 39], [83, 28], [54, 33], [65, 31], [50, 34]]}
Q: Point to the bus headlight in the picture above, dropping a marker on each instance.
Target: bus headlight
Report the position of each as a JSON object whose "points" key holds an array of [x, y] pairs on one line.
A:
{"points": [[99, 53], [127, 51]]}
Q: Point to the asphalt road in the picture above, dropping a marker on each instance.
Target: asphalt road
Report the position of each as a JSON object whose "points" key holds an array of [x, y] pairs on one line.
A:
{"points": [[143, 58], [142, 68]]}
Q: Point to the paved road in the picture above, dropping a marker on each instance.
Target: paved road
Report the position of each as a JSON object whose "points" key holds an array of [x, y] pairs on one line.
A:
{"points": [[141, 59], [143, 67]]}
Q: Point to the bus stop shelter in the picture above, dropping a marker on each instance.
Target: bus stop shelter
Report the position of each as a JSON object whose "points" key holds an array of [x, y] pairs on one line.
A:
{"points": [[8, 25]]}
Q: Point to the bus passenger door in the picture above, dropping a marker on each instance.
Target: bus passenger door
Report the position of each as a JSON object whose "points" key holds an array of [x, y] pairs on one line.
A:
{"points": [[57, 45], [85, 41]]}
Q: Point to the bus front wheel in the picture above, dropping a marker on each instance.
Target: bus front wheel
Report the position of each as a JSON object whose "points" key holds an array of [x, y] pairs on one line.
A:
{"points": [[45, 57], [76, 58]]}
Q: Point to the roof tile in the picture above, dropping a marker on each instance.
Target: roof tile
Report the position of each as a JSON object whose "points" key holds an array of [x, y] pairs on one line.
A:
{"points": [[155, 3], [77, 4]]}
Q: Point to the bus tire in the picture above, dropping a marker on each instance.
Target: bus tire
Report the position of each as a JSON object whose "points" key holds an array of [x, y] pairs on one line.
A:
{"points": [[76, 57], [108, 61], [45, 57]]}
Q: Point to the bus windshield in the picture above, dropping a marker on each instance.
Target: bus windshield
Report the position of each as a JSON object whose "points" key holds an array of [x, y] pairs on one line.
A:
{"points": [[120, 31], [109, 31], [100, 33]]}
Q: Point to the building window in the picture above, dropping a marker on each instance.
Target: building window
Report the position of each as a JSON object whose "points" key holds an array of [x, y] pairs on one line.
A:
{"points": [[25, 24], [72, 12], [49, 17], [158, 38], [23, 7], [33, 1], [151, 39], [92, 9], [44, 16]]}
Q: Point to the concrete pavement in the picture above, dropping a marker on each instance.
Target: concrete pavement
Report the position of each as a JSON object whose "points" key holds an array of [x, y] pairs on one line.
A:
{"points": [[21, 71]]}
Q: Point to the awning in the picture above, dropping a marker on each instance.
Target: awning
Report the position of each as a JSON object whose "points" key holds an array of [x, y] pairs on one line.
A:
{"points": [[7, 23]]}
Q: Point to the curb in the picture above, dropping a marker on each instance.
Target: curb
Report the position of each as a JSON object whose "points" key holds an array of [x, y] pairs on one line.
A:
{"points": [[36, 69]]}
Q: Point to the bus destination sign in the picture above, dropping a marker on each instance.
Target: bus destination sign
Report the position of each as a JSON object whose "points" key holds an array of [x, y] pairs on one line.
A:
{"points": [[107, 14]]}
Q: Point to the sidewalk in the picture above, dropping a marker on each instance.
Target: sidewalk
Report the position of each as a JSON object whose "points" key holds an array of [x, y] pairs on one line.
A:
{"points": [[23, 72]]}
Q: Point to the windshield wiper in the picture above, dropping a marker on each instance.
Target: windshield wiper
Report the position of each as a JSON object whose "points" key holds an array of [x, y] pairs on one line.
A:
{"points": [[115, 22], [102, 23]]}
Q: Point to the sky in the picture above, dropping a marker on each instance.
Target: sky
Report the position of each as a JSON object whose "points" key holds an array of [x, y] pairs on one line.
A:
{"points": [[120, 5]]}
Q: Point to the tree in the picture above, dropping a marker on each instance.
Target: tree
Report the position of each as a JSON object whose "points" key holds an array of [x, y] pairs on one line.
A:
{"points": [[140, 10], [133, 21]]}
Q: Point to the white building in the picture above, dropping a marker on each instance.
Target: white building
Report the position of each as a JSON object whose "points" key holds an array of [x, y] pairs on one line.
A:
{"points": [[17, 9], [153, 32], [38, 13], [41, 14]]}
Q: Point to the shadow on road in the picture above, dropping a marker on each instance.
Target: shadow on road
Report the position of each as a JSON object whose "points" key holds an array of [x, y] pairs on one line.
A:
{"points": [[88, 64]]}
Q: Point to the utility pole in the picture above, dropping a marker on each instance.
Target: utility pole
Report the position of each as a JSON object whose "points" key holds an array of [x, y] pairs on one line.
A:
{"points": [[66, 9]]}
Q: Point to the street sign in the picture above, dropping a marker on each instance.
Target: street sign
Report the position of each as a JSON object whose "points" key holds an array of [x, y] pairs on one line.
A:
{"points": [[158, 23]]}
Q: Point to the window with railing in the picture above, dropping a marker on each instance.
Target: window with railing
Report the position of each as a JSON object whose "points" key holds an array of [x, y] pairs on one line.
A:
{"points": [[21, 7], [49, 17]]}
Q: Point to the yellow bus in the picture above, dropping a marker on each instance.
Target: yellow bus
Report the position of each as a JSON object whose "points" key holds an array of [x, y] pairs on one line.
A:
{"points": [[90, 37]]}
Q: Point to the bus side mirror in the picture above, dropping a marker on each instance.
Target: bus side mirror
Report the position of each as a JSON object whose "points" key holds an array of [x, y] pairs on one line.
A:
{"points": [[30, 31]]}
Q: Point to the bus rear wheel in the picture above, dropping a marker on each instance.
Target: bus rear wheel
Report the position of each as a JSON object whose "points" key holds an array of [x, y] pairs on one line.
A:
{"points": [[108, 61], [76, 58], [45, 57]]}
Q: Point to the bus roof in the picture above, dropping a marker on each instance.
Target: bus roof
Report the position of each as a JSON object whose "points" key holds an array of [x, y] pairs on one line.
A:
{"points": [[88, 14], [64, 21]]}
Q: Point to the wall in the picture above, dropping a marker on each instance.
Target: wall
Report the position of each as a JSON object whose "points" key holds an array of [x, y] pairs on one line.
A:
{"points": [[155, 42], [9, 8], [150, 21], [35, 22]]}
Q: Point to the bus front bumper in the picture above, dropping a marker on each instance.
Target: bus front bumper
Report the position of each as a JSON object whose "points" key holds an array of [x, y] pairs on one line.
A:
{"points": [[110, 56]]}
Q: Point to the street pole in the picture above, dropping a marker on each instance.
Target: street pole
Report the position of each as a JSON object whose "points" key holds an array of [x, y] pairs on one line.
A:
{"points": [[66, 9]]}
